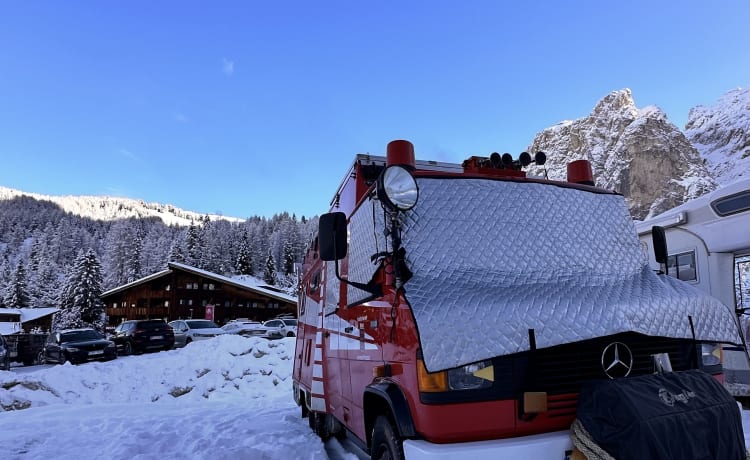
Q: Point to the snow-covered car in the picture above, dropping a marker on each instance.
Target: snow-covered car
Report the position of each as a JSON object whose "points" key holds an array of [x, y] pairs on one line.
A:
{"points": [[189, 330], [282, 327], [245, 328]]}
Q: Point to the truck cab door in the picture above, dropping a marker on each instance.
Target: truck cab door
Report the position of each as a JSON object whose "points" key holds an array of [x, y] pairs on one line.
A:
{"points": [[361, 344]]}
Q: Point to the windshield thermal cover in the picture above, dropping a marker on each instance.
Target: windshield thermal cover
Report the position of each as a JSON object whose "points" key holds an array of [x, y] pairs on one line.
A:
{"points": [[492, 259]]}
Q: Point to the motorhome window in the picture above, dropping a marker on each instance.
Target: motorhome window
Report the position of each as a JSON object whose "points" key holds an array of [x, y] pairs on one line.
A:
{"points": [[682, 266], [732, 204]]}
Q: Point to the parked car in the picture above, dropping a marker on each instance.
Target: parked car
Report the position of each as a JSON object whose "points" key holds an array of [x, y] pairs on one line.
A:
{"points": [[188, 330], [137, 336], [77, 346], [245, 328], [4, 355], [286, 327], [24, 347]]}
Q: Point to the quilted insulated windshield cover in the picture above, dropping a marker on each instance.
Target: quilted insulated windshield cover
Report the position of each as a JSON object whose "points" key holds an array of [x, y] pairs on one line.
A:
{"points": [[492, 259]]}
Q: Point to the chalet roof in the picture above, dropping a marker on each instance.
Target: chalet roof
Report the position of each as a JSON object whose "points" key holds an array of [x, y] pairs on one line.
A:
{"points": [[26, 314], [239, 283]]}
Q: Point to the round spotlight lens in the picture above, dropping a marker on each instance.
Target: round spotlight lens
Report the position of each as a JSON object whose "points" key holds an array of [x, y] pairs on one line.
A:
{"points": [[397, 188], [524, 158], [540, 158], [495, 160], [507, 159]]}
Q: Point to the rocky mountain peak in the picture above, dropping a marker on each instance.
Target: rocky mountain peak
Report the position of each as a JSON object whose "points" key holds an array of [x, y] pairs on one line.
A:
{"points": [[637, 152], [617, 102], [721, 133]]}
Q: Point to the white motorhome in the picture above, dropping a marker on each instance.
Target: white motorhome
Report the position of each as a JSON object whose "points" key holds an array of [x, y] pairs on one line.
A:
{"points": [[708, 241]]}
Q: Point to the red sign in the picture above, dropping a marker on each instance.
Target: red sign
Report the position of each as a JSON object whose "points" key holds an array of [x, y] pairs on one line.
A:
{"points": [[210, 312]]}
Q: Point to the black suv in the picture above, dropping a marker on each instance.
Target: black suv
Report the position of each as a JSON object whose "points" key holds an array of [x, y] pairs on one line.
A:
{"points": [[137, 336]]}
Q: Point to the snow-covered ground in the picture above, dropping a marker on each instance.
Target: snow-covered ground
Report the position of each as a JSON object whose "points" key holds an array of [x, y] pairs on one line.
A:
{"points": [[224, 398]]}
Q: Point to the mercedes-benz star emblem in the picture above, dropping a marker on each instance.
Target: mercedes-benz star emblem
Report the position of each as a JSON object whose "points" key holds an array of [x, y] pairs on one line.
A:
{"points": [[617, 360]]}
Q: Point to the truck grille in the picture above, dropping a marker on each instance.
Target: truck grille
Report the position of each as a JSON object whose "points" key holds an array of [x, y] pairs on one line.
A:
{"points": [[562, 369]]}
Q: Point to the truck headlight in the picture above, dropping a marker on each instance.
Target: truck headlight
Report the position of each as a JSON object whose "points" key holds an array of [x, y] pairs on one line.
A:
{"points": [[474, 376], [711, 354], [471, 377]]}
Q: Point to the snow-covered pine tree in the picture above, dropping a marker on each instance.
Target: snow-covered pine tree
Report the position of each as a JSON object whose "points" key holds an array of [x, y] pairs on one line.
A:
{"points": [[16, 294], [79, 303], [133, 260], [244, 263], [269, 273], [289, 257]]}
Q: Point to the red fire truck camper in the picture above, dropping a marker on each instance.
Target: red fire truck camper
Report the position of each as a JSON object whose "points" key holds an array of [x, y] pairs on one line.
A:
{"points": [[457, 310]]}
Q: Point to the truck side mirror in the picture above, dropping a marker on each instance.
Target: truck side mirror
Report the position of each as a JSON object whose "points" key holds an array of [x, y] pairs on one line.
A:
{"points": [[332, 236], [659, 238]]}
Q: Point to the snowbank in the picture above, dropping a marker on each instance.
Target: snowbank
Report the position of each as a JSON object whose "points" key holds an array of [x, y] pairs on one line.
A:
{"points": [[224, 398]]}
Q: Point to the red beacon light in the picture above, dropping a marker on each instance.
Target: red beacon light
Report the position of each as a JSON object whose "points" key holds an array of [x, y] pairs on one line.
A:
{"points": [[579, 172], [401, 153]]}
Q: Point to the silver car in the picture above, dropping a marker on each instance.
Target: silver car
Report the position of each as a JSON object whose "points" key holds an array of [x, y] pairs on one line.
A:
{"points": [[189, 330], [281, 327], [245, 328]]}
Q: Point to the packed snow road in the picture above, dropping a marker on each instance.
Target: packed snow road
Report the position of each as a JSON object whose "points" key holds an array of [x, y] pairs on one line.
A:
{"points": [[225, 398]]}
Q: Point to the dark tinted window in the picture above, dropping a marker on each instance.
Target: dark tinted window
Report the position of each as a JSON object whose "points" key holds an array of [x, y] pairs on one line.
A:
{"points": [[732, 204], [201, 324], [75, 336], [153, 324]]}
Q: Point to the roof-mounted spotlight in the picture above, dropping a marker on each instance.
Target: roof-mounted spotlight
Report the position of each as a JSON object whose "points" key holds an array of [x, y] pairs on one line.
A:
{"points": [[524, 158], [397, 188], [507, 159], [540, 158], [495, 160]]}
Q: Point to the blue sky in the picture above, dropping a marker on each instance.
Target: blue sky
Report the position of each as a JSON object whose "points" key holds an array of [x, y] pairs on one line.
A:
{"points": [[254, 108]]}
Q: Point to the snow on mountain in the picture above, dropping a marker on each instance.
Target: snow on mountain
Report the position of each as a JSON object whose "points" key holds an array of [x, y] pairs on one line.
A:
{"points": [[636, 152], [111, 208], [721, 133]]}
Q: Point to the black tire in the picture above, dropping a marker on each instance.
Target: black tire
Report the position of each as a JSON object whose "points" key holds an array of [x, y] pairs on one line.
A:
{"points": [[311, 420], [6, 364], [187, 342], [290, 334], [41, 358], [386, 444], [320, 426], [127, 348]]}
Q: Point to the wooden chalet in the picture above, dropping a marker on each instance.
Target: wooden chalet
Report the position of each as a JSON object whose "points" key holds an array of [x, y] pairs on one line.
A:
{"points": [[182, 292]]}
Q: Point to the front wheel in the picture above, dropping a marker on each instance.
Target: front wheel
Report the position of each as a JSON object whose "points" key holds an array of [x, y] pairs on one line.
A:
{"points": [[386, 444], [41, 358], [128, 348], [6, 364]]}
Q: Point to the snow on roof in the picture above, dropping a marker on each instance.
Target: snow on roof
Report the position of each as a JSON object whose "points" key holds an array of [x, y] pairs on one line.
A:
{"points": [[28, 314], [7, 328], [243, 283], [135, 283]]}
